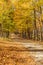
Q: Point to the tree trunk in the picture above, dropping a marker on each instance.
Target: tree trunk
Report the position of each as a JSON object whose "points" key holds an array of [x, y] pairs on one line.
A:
{"points": [[7, 34], [35, 28], [42, 25]]}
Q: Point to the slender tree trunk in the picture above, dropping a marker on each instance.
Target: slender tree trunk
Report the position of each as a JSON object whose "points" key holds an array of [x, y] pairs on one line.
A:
{"points": [[41, 38], [7, 34], [0, 30], [35, 28], [28, 31]]}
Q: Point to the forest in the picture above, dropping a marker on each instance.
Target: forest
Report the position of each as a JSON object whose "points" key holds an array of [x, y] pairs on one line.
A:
{"points": [[23, 17]]}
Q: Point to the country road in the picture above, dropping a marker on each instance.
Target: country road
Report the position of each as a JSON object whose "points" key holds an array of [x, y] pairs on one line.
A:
{"points": [[31, 45]]}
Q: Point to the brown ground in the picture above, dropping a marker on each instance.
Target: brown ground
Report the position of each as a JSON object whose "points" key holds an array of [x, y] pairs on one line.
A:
{"points": [[9, 54]]}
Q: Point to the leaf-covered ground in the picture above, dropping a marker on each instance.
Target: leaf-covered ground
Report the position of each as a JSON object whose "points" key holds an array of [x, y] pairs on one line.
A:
{"points": [[8, 56]]}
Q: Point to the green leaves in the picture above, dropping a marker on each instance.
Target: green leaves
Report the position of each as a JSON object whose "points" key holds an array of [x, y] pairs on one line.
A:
{"points": [[7, 17]]}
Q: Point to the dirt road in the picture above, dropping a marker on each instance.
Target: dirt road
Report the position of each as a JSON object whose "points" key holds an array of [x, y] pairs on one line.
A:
{"points": [[16, 53]]}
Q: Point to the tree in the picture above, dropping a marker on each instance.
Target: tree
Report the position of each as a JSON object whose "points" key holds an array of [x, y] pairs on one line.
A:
{"points": [[7, 18]]}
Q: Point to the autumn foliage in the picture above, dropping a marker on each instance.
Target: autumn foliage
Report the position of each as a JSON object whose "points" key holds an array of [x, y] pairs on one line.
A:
{"points": [[23, 17]]}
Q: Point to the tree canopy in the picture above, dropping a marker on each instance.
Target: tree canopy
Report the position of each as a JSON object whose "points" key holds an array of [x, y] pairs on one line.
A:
{"points": [[22, 16]]}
